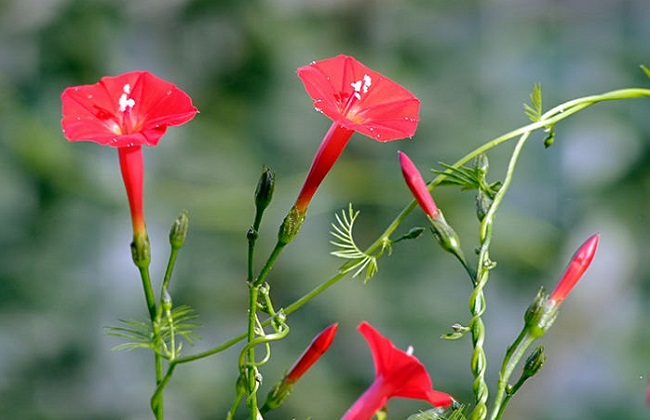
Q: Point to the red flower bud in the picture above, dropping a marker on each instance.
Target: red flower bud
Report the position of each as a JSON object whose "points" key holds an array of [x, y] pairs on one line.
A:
{"points": [[316, 349], [417, 186], [577, 267]]}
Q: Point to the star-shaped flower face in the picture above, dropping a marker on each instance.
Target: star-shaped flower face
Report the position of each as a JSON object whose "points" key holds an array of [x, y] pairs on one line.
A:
{"points": [[131, 109], [397, 374], [361, 99]]}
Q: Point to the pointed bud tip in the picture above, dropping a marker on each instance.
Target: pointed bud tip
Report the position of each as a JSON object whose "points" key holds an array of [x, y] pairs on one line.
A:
{"points": [[580, 262], [418, 187]]}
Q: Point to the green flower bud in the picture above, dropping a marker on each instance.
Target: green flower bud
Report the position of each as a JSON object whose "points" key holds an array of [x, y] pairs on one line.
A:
{"points": [[534, 362], [483, 204], [264, 190], [178, 232], [482, 165], [413, 233], [166, 300]]}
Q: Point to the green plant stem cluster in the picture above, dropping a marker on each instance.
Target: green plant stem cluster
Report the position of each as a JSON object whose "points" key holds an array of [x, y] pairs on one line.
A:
{"points": [[259, 298]]}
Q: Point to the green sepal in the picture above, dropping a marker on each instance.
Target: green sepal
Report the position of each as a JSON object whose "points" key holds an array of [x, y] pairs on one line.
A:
{"points": [[290, 226], [141, 250], [540, 315]]}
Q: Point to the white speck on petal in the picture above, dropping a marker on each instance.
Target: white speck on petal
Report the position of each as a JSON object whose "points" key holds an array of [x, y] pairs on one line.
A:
{"points": [[127, 88], [409, 350]]}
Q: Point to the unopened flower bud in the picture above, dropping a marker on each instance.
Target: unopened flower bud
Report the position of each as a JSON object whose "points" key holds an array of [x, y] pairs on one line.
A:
{"points": [[580, 262], [534, 362], [483, 204], [166, 300], [418, 187], [264, 190], [314, 351], [413, 233], [482, 165], [290, 226], [178, 232]]}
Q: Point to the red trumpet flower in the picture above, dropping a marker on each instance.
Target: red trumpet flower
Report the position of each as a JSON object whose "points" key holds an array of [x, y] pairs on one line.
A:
{"points": [[397, 374], [126, 111], [356, 98]]}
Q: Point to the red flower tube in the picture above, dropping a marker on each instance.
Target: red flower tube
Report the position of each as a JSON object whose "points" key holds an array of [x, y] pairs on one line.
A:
{"points": [[417, 186], [314, 351], [397, 374], [356, 98], [579, 263], [126, 112]]}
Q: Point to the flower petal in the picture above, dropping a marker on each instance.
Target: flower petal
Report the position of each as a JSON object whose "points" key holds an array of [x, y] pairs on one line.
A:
{"points": [[402, 374], [361, 99]]}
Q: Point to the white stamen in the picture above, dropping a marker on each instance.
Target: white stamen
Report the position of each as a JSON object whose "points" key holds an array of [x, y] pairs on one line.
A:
{"points": [[361, 86], [126, 102], [367, 81], [409, 351]]}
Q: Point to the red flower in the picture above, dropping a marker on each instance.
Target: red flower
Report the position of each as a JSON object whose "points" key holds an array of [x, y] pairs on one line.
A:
{"points": [[126, 112], [316, 349], [577, 267], [397, 374], [132, 109], [356, 99], [417, 186]]}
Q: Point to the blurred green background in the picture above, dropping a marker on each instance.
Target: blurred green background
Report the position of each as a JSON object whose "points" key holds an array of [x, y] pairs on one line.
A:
{"points": [[65, 270]]}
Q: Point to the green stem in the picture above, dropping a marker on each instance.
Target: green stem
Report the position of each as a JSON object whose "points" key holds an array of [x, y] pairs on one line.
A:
{"points": [[288, 310], [153, 316], [477, 299], [235, 404], [156, 398], [170, 268], [269, 263], [514, 355], [250, 368]]}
